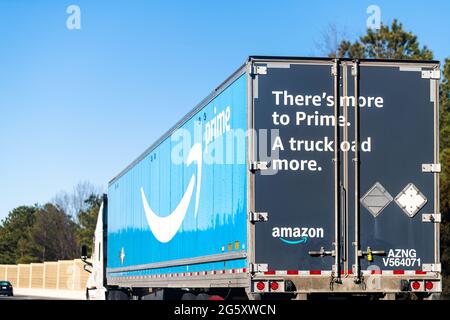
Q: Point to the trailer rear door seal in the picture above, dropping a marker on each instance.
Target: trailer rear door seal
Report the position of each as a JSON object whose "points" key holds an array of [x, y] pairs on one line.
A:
{"points": [[284, 65]]}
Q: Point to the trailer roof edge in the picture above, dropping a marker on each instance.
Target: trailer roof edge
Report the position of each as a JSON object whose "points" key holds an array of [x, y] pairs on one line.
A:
{"points": [[258, 57]]}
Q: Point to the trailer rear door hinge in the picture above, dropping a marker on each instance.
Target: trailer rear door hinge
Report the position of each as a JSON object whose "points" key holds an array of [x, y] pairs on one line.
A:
{"points": [[431, 267], [259, 165], [257, 70], [431, 167], [431, 217], [431, 74], [259, 217], [355, 70], [258, 267], [334, 70]]}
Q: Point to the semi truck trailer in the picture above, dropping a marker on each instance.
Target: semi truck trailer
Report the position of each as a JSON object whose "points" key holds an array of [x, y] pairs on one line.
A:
{"points": [[295, 178]]}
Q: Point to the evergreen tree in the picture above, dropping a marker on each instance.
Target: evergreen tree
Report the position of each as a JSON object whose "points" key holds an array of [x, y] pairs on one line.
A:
{"points": [[387, 43]]}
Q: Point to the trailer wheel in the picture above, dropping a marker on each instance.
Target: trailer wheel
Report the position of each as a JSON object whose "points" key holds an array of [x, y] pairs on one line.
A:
{"points": [[155, 295], [188, 296], [117, 295], [203, 296]]}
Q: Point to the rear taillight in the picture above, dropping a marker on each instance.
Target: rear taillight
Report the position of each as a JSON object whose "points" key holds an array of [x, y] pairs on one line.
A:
{"points": [[429, 285], [260, 286], [266, 286], [415, 285], [274, 285]]}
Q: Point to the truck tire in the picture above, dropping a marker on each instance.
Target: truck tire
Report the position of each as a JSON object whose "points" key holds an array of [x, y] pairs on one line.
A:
{"points": [[203, 296], [117, 295], [188, 296], [156, 295]]}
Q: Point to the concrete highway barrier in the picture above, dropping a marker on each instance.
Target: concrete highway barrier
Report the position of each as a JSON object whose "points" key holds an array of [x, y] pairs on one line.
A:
{"points": [[63, 279]]}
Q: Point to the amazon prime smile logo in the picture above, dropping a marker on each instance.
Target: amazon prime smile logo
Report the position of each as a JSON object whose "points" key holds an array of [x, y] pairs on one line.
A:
{"points": [[296, 235], [165, 228]]}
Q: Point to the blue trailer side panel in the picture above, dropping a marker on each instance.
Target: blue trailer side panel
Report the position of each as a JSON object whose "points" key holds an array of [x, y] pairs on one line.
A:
{"points": [[187, 197]]}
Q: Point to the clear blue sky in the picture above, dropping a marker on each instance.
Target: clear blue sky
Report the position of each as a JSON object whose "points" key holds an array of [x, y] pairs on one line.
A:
{"points": [[82, 104]]}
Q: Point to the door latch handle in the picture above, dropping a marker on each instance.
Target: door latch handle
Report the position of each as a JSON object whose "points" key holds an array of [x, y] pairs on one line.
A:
{"points": [[321, 253], [369, 253]]}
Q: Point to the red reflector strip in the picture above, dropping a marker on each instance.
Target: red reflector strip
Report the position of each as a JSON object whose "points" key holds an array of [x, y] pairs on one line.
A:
{"points": [[399, 272], [348, 272], [270, 272], [244, 270], [375, 271], [420, 272]]}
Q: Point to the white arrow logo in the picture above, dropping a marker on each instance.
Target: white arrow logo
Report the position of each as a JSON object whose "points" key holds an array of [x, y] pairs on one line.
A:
{"points": [[165, 228]]}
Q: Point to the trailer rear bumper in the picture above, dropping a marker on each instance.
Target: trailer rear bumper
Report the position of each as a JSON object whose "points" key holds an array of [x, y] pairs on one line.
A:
{"points": [[373, 283], [283, 282]]}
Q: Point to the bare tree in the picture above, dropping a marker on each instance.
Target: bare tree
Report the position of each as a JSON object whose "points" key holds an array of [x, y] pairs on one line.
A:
{"points": [[81, 192], [330, 40], [74, 202], [63, 201]]}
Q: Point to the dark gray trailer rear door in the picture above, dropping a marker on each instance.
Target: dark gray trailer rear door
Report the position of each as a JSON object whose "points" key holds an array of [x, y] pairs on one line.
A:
{"points": [[397, 131], [297, 191], [293, 109]]}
